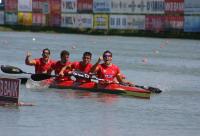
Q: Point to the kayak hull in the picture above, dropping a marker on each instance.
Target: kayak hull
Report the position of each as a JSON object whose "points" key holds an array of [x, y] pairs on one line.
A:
{"points": [[62, 84], [109, 88], [124, 90]]}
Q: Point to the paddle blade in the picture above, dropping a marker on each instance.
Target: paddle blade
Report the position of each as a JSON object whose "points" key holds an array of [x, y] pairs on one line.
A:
{"points": [[11, 69], [154, 90], [39, 77], [151, 89]]}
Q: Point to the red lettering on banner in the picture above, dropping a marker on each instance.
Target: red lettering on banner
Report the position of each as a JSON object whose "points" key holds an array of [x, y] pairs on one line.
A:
{"points": [[174, 6]]}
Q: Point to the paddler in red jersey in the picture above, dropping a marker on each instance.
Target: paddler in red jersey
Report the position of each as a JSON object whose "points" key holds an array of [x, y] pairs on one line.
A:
{"points": [[42, 65], [81, 66], [63, 62], [107, 71]]}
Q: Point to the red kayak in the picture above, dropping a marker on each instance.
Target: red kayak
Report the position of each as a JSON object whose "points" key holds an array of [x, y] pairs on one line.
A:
{"points": [[113, 88]]}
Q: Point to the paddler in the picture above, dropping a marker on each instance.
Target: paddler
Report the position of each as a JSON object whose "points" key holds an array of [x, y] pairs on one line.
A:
{"points": [[108, 71], [42, 65], [63, 62], [81, 66]]}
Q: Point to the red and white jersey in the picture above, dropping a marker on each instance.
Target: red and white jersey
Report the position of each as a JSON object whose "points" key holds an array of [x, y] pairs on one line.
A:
{"points": [[42, 67], [108, 72]]}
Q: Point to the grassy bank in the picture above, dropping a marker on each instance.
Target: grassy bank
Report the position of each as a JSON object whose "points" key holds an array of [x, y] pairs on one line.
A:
{"points": [[169, 34]]}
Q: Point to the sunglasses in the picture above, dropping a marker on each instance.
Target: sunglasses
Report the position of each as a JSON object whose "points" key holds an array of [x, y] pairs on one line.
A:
{"points": [[105, 56]]}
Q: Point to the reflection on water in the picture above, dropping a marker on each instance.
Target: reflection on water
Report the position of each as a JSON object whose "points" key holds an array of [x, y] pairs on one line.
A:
{"points": [[82, 94]]}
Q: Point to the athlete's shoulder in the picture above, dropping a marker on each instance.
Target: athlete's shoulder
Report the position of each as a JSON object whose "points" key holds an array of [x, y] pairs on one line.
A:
{"points": [[52, 61], [37, 60], [90, 65], [115, 67], [75, 63]]}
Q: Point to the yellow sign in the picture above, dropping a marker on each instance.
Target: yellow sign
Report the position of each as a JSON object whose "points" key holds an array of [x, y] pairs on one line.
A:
{"points": [[101, 21], [25, 18]]}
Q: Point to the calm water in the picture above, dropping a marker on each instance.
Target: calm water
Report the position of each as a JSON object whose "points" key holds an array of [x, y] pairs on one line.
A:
{"points": [[172, 65]]}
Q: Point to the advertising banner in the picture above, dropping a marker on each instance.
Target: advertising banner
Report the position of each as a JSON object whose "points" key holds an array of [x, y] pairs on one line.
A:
{"points": [[174, 22], [174, 6], [46, 7], [84, 6], [1, 17], [84, 20], [55, 7], [25, 5], [192, 6], [155, 6], [136, 22], [101, 21], [69, 6], [11, 18], [25, 18], [38, 5], [101, 6], [11, 5], [154, 23], [68, 20], [128, 6], [192, 24], [9, 90], [54, 20], [2, 5], [77, 20], [138, 6], [118, 22], [39, 19]]}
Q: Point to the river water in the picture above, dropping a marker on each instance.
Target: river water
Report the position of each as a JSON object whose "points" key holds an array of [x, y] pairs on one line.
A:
{"points": [[173, 65]]}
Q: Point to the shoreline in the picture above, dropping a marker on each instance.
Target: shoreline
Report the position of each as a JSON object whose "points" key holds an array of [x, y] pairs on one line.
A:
{"points": [[129, 33]]}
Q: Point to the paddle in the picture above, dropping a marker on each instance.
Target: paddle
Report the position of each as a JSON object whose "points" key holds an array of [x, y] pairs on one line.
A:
{"points": [[12, 70], [39, 77], [15, 70], [76, 74], [85, 75]]}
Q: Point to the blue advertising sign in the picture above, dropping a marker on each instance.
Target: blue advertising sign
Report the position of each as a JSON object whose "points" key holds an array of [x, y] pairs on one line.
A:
{"points": [[192, 24], [192, 6], [101, 6], [155, 6]]}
